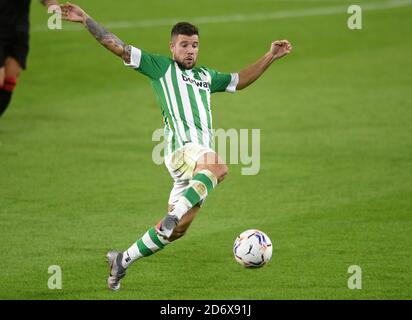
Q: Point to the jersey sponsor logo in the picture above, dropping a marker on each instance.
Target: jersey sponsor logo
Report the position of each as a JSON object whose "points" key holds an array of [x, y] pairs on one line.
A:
{"points": [[199, 83]]}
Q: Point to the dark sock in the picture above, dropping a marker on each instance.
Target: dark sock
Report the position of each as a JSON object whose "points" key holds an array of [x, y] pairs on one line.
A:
{"points": [[5, 97]]}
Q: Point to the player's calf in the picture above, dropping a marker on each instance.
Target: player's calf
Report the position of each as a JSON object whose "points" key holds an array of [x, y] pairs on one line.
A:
{"points": [[210, 170], [199, 188], [184, 224]]}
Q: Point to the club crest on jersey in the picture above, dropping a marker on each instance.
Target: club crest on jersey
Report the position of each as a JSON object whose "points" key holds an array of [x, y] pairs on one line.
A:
{"points": [[199, 83]]}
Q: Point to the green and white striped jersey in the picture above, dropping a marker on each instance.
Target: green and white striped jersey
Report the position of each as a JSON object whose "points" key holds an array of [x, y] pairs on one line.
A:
{"points": [[184, 97]]}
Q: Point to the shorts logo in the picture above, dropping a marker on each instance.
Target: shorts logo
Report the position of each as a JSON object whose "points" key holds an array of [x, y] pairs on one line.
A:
{"points": [[199, 83]]}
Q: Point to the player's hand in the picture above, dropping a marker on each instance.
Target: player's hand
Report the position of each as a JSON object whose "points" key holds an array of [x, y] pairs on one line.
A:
{"points": [[280, 48], [71, 12]]}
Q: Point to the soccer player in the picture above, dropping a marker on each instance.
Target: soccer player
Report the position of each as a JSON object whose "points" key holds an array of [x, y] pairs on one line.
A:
{"points": [[183, 92], [14, 44]]}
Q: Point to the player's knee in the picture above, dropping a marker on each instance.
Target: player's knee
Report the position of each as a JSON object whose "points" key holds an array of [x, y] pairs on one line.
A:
{"points": [[222, 172], [219, 171]]}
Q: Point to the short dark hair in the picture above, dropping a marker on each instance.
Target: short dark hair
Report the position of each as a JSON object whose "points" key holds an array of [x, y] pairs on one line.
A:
{"points": [[184, 28]]}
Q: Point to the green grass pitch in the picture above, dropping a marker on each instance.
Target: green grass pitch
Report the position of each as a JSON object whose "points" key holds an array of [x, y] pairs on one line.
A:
{"points": [[334, 187]]}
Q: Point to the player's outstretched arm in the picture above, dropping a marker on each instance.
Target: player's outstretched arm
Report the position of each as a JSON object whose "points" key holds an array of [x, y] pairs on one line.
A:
{"points": [[74, 13], [250, 74]]}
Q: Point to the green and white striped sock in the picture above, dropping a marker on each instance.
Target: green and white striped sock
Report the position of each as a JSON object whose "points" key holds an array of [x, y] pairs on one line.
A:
{"points": [[144, 247], [199, 187]]}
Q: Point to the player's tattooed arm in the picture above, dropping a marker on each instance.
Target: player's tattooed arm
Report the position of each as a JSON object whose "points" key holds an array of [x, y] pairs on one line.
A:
{"points": [[74, 13], [108, 40]]}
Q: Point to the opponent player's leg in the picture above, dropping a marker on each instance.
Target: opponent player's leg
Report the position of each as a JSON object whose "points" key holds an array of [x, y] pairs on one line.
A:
{"points": [[209, 171], [11, 72]]}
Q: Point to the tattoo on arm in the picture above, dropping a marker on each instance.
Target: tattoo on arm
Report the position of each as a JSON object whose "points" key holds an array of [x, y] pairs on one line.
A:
{"points": [[109, 40], [127, 53]]}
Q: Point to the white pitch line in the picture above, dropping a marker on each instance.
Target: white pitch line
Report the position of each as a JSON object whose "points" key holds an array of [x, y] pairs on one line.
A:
{"points": [[238, 17]]}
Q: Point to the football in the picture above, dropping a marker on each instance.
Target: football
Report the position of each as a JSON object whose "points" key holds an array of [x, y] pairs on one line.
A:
{"points": [[252, 248]]}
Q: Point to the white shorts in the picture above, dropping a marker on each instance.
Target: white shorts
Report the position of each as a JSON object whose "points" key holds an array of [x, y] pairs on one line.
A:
{"points": [[181, 165]]}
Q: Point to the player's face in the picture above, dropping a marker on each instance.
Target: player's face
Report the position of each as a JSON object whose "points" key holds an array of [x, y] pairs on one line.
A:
{"points": [[185, 49]]}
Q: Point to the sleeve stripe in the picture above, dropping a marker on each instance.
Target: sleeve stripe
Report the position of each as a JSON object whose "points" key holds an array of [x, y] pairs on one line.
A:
{"points": [[135, 58], [233, 83]]}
